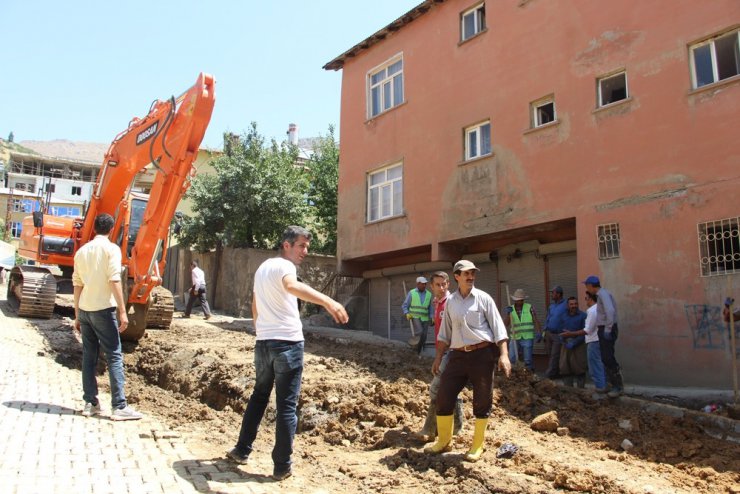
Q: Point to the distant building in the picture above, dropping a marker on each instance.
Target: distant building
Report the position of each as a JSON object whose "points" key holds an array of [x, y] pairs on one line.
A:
{"points": [[29, 179], [69, 180], [548, 141], [17, 204]]}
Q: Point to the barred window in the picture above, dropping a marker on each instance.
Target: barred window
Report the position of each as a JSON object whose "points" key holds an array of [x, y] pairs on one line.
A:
{"points": [[719, 247], [608, 236]]}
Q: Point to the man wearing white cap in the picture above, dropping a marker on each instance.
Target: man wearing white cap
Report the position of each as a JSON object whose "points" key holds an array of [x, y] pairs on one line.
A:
{"points": [[472, 328], [419, 310]]}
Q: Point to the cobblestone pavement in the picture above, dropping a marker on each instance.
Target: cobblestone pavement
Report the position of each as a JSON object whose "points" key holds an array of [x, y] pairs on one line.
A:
{"points": [[47, 446]]}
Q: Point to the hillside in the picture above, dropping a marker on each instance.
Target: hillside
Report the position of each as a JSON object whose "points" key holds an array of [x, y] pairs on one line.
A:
{"points": [[6, 147], [63, 148]]}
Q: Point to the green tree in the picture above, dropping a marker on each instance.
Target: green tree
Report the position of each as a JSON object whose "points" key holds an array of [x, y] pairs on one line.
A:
{"points": [[257, 191], [205, 230], [11, 137], [324, 169]]}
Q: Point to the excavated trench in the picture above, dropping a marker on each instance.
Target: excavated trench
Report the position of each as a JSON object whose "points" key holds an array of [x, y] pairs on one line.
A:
{"points": [[361, 404]]}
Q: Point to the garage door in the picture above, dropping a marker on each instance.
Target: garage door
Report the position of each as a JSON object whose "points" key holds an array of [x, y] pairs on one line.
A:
{"points": [[487, 279], [378, 317], [397, 287], [562, 269], [528, 273]]}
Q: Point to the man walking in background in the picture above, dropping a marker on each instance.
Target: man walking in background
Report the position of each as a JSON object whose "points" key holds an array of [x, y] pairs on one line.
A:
{"points": [[278, 353], [98, 296], [419, 310], [197, 290], [606, 322]]}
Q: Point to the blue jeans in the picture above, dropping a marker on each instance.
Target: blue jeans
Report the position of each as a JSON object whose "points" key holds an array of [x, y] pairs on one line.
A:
{"points": [[595, 365], [278, 363], [99, 329], [526, 347]]}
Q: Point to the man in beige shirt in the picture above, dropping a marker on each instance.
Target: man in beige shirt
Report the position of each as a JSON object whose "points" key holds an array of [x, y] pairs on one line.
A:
{"points": [[472, 329], [98, 297]]}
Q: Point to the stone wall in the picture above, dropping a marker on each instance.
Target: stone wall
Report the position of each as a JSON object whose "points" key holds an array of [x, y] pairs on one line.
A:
{"points": [[233, 286]]}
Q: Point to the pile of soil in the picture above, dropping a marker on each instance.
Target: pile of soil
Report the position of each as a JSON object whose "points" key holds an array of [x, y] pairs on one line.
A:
{"points": [[362, 402]]}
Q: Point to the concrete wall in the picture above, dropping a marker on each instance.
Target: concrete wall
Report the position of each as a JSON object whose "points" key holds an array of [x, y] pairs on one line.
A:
{"points": [[657, 164], [233, 293]]}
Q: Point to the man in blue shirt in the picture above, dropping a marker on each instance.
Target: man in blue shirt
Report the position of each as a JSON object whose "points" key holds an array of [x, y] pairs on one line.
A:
{"points": [[553, 327], [573, 359]]}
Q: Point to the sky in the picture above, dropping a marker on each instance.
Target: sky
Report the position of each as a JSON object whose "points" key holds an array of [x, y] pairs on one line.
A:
{"points": [[81, 70]]}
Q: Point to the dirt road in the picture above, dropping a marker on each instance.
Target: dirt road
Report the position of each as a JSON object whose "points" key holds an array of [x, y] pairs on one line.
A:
{"points": [[360, 404]]}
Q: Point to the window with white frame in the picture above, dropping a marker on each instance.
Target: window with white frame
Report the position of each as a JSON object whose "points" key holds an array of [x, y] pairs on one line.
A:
{"points": [[385, 193], [608, 236], [25, 205], [612, 88], [478, 140], [76, 190], [65, 211], [715, 59], [385, 87], [15, 229], [472, 22], [543, 112], [719, 247], [50, 188], [23, 186]]}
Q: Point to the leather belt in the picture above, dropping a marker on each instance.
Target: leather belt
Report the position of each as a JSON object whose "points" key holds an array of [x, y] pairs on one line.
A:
{"points": [[470, 348]]}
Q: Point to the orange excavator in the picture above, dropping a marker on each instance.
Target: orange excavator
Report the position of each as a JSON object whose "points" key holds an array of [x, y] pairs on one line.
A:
{"points": [[168, 138]]}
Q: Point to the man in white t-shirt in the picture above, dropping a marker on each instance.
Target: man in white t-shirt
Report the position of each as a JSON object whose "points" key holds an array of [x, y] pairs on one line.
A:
{"points": [[197, 290], [278, 353]]}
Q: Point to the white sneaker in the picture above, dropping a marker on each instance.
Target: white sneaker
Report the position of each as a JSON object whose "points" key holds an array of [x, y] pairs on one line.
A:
{"points": [[127, 413], [91, 409]]}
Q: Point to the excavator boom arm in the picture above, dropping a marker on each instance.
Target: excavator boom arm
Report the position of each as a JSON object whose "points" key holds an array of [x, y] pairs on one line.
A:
{"points": [[168, 138]]}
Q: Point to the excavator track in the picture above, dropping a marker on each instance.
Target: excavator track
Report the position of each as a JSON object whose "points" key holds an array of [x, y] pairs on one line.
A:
{"points": [[157, 313], [34, 289], [161, 309]]}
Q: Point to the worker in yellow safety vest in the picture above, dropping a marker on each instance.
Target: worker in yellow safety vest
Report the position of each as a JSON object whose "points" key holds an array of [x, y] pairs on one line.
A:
{"points": [[419, 310], [522, 322]]}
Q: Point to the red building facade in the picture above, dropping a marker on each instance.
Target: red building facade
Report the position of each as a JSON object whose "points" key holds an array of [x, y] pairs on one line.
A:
{"points": [[548, 141]]}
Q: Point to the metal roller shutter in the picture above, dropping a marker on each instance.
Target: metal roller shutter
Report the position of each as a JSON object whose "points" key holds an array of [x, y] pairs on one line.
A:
{"points": [[528, 273], [378, 317], [399, 326], [487, 279], [563, 272]]}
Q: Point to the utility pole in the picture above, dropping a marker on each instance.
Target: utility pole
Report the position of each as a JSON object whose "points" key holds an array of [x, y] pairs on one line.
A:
{"points": [[8, 210]]}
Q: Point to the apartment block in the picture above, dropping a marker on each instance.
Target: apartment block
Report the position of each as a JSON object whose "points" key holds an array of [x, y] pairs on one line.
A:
{"points": [[548, 141]]}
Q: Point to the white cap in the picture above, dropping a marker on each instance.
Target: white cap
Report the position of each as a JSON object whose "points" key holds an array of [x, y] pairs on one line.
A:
{"points": [[421, 279]]}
